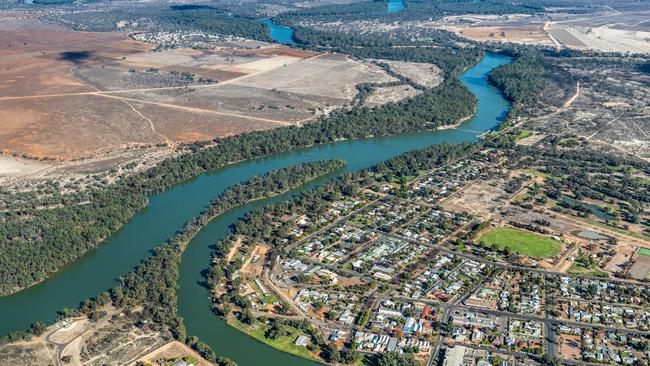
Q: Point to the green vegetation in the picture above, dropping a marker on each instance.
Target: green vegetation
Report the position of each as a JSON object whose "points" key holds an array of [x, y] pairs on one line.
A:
{"points": [[523, 134], [414, 10], [531, 83], [644, 251], [617, 229], [213, 20], [169, 18], [568, 142], [524, 80], [521, 242], [152, 284], [149, 284], [393, 359], [283, 342], [451, 59], [586, 175], [363, 318], [34, 243], [585, 265]]}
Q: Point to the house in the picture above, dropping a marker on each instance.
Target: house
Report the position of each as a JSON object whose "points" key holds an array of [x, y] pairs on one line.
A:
{"points": [[182, 363], [392, 345], [301, 341]]}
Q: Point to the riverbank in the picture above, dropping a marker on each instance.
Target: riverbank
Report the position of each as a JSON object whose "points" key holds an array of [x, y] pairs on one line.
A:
{"points": [[232, 343], [170, 209], [284, 343]]}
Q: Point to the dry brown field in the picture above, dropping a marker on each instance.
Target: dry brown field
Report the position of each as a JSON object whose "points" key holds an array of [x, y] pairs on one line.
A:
{"points": [[67, 95]]}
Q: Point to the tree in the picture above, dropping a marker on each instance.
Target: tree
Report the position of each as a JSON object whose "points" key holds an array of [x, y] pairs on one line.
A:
{"points": [[276, 331], [349, 356], [38, 328], [330, 353], [246, 316], [393, 359]]}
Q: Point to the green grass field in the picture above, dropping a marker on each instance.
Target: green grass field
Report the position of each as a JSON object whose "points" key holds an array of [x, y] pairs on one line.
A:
{"points": [[644, 251], [523, 134], [578, 269], [521, 242], [284, 343]]}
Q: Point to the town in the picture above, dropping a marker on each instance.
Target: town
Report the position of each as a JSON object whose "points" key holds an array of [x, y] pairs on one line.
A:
{"points": [[453, 272]]}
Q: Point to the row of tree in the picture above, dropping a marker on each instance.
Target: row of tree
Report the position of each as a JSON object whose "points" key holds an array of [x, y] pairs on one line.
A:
{"points": [[152, 285], [35, 243]]}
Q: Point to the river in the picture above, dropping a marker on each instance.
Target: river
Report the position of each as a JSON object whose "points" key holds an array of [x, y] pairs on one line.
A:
{"points": [[194, 304], [168, 211], [395, 6], [284, 35], [279, 33]]}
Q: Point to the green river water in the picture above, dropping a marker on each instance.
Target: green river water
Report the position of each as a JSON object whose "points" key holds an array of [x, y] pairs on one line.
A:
{"points": [[168, 211]]}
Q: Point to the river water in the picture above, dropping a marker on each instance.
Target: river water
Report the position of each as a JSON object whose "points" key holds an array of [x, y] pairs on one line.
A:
{"points": [[284, 35], [394, 6], [279, 33], [168, 211], [194, 304]]}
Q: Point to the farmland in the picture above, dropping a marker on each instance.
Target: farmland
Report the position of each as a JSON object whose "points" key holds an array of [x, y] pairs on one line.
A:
{"points": [[70, 95]]}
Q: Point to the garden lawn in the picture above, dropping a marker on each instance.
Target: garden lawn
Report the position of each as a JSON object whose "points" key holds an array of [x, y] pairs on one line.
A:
{"points": [[521, 242], [284, 343]]}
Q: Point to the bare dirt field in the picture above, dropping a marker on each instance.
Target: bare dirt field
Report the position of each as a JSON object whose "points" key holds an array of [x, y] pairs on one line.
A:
{"points": [[112, 340], [27, 353], [617, 27], [389, 94], [426, 75], [606, 29], [517, 28], [67, 95], [641, 267], [171, 351], [480, 199]]}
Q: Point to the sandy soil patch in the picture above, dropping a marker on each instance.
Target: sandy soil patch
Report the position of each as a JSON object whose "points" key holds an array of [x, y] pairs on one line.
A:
{"points": [[255, 269], [390, 94], [262, 65], [171, 350], [69, 127], [26, 353], [234, 249], [570, 347], [12, 167], [517, 28], [531, 140], [321, 76], [68, 332], [480, 199], [426, 75], [73, 349], [641, 267], [624, 253]]}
